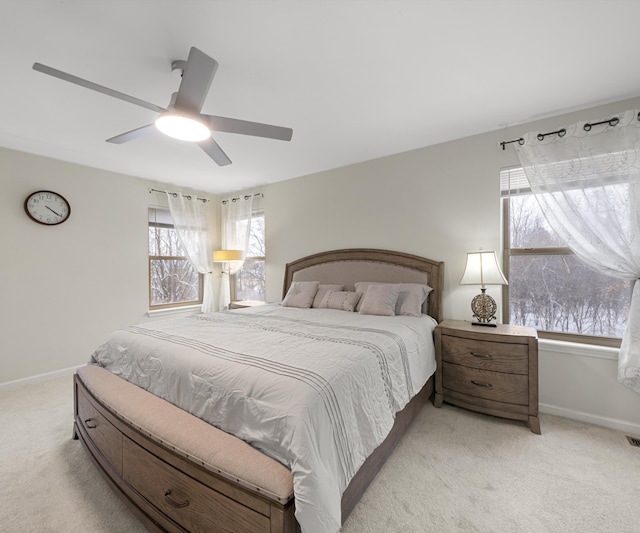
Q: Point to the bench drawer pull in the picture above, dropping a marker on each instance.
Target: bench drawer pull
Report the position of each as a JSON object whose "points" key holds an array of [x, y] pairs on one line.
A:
{"points": [[90, 424], [176, 504]]}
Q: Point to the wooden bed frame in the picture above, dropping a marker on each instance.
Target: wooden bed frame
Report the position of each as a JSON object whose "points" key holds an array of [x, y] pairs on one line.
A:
{"points": [[178, 473]]}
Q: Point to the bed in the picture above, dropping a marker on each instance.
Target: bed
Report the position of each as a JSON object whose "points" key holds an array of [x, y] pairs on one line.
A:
{"points": [[188, 454]]}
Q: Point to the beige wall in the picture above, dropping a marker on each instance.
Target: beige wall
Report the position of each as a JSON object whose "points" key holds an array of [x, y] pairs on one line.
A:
{"points": [[440, 202], [64, 288]]}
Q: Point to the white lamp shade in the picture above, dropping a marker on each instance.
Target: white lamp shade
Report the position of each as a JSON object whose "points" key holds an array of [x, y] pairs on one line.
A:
{"points": [[222, 256], [482, 269]]}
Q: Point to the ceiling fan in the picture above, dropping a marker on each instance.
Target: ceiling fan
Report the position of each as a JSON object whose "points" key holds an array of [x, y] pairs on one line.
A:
{"points": [[182, 118]]}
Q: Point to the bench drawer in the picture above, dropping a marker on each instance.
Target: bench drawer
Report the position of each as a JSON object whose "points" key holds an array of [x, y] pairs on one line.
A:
{"points": [[194, 506], [105, 437]]}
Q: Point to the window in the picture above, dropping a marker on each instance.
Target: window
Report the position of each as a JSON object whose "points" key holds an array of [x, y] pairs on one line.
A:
{"points": [[249, 282], [173, 281], [549, 288]]}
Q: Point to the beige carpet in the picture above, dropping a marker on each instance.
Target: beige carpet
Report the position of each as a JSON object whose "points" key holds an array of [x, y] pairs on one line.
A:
{"points": [[454, 471]]}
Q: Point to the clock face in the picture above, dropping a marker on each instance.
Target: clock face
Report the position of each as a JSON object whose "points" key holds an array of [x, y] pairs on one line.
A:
{"points": [[47, 207]]}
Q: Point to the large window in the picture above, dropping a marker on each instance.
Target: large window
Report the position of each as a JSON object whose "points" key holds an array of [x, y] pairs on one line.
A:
{"points": [[173, 281], [249, 283], [549, 288]]}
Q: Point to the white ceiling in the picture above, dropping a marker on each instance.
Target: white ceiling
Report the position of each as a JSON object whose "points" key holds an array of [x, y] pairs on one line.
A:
{"points": [[356, 80]]}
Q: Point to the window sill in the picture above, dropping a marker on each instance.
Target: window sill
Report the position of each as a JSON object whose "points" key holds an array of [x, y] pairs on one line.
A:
{"points": [[174, 310], [576, 348], [240, 304]]}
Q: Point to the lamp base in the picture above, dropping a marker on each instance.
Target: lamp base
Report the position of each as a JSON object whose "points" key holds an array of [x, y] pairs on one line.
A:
{"points": [[484, 309]]}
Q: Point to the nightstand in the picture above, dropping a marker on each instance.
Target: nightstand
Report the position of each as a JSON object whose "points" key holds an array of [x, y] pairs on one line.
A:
{"points": [[492, 370]]}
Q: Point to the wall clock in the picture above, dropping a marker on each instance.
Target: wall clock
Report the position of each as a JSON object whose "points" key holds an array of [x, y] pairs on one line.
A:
{"points": [[47, 207]]}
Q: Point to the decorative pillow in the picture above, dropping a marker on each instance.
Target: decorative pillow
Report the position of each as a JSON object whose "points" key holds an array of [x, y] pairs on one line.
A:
{"points": [[410, 300], [344, 300], [323, 288], [412, 296], [301, 294], [380, 299]]}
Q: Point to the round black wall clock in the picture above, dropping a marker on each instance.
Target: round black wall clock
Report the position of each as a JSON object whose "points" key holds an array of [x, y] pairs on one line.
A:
{"points": [[47, 207]]}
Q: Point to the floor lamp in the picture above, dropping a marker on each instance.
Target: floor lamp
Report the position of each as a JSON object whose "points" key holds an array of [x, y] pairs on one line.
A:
{"points": [[226, 257]]}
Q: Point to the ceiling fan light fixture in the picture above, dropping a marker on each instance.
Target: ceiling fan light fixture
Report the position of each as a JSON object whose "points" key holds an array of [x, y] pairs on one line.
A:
{"points": [[181, 118], [183, 127]]}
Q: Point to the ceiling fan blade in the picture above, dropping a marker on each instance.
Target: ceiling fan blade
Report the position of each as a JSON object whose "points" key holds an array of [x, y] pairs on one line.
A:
{"points": [[213, 150], [95, 87], [133, 134], [196, 80], [244, 127]]}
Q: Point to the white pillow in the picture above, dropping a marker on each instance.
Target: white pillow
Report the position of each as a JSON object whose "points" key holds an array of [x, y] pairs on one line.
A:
{"points": [[301, 294], [380, 299], [412, 296], [323, 288], [410, 300], [344, 300]]}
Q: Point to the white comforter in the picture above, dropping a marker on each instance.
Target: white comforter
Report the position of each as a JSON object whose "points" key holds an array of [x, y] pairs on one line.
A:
{"points": [[316, 389]]}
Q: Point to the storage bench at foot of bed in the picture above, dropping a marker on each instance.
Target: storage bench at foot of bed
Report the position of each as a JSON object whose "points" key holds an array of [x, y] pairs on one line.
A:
{"points": [[176, 472]]}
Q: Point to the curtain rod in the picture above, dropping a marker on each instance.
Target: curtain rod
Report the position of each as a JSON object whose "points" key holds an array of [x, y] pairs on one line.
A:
{"points": [[188, 196], [245, 197], [541, 136], [520, 141], [175, 194], [613, 121]]}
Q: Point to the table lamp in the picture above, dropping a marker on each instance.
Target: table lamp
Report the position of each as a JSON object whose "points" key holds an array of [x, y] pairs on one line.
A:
{"points": [[482, 269]]}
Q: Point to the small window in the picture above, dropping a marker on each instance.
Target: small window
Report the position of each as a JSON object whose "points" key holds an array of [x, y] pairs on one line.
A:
{"points": [[173, 282], [249, 283], [550, 288]]}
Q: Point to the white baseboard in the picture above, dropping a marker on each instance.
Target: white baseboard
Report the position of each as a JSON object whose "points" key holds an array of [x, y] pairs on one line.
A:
{"points": [[9, 385], [612, 423]]}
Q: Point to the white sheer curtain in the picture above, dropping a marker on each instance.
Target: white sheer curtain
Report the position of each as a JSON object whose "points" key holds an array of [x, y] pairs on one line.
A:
{"points": [[193, 223], [236, 226], [586, 178]]}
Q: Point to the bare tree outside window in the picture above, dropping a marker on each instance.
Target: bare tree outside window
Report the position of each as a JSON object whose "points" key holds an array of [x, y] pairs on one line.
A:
{"points": [[172, 279], [249, 283], [550, 288]]}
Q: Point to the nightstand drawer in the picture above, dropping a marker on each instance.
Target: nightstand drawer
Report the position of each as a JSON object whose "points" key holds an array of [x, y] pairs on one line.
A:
{"points": [[496, 386], [496, 356]]}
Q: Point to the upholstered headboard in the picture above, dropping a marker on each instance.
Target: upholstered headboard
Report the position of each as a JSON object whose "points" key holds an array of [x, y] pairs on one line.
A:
{"points": [[346, 267]]}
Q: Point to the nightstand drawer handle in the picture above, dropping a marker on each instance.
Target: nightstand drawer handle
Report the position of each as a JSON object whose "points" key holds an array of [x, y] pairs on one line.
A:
{"points": [[481, 355], [481, 384]]}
